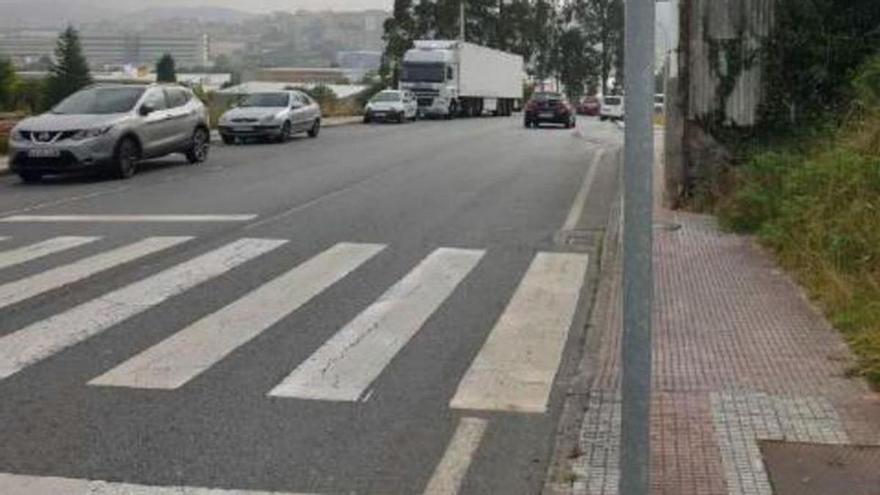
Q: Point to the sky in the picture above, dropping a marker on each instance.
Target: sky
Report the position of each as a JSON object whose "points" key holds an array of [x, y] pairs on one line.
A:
{"points": [[270, 5]]}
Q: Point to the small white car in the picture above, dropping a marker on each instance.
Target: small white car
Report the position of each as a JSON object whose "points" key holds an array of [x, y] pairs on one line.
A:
{"points": [[392, 105], [271, 116], [613, 108]]}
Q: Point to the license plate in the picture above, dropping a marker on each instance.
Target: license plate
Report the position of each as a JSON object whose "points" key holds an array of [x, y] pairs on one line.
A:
{"points": [[546, 115], [243, 128], [379, 114], [44, 153]]}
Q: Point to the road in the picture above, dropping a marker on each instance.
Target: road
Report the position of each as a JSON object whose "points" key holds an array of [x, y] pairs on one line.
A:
{"points": [[357, 313]]}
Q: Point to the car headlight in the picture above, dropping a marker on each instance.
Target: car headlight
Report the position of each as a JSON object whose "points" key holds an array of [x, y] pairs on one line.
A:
{"points": [[269, 119], [90, 133]]}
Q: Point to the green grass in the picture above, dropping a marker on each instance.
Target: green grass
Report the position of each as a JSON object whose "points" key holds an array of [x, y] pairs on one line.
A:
{"points": [[820, 212]]}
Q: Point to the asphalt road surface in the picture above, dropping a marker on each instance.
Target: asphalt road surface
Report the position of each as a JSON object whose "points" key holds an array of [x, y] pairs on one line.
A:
{"points": [[381, 310]]}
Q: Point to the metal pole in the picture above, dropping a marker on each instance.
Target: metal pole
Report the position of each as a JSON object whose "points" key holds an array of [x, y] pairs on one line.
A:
{"points": [[461, 19], [638, 280]]}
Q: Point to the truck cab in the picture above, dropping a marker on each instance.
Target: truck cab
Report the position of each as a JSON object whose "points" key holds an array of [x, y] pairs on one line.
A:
{"points": [[430, 71]]}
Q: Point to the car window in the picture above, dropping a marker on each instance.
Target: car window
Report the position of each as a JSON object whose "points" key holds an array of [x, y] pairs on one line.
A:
{"points": [[176, 97], [268, 100], [612, 100], [155, 98], [100, 101]]}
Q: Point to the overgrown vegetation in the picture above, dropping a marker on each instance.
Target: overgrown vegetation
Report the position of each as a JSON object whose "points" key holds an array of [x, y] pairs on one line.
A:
{"points": [[817, 205]]}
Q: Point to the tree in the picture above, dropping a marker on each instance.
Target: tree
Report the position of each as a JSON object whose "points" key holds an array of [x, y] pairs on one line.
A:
{"points": [[70, 70], [166, 69], [575, 61], [8, 83], [398, 36], [603, 21]]}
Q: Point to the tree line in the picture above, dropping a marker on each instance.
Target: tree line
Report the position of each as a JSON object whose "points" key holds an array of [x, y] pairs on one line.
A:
{"points": [[578, 42], [68, 73]]}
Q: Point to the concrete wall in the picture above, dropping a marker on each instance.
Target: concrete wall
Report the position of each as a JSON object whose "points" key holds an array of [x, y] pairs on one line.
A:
{"points": [[715, 22]]}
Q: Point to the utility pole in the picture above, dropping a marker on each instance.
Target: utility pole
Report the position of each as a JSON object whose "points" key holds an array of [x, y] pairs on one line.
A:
{"points": [[461, 20], [638, 278]]}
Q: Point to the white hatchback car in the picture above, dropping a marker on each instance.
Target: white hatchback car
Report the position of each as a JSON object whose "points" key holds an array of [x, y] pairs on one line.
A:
{"points": [[392, 105], [613, 108]]}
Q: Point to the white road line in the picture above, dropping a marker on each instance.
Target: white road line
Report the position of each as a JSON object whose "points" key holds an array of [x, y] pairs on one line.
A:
{"points": [[515, 369], [38, 485], [45, 248], [186, 354], [450, 473], [40, 283], [345, 366], [580, 201], [125, 218], [36, 342]]}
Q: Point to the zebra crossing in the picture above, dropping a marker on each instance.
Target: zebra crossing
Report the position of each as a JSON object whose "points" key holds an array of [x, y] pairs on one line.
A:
{"points": [[512, 372]]}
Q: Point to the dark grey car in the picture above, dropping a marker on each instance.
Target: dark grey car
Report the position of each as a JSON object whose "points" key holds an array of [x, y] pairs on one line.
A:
{"points": [[111, 127]]}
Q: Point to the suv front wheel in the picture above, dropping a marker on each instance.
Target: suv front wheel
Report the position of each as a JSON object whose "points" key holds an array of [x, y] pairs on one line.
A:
{"points": [[199, 146]]}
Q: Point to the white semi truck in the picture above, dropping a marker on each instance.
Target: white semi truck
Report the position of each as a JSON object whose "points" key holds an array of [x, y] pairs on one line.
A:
{"points": [[456, 78]]}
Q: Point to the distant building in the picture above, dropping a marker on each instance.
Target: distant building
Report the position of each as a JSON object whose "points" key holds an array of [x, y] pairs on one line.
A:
{"points": [[109, 50], [359, 63]]}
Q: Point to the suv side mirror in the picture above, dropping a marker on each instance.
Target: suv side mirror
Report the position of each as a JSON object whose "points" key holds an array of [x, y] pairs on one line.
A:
{"points": [[146, 109]]}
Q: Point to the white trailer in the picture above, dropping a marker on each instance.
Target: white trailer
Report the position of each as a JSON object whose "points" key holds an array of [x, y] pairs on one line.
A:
{"points": [[456, 78]]}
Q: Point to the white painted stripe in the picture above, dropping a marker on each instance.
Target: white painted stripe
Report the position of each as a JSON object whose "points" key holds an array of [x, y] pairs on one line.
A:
{"points": [[31, 344], [345, 366], [125, 218], [37, 485], [20, 290], [450, 473], [41, 249], [515, 369], [183, 356], [580, 200]]}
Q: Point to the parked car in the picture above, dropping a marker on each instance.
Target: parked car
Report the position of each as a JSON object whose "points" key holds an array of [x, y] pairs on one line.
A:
{"points": [[272, 116], [659, 103], [612, 108], [111, 127], [589, 106], [398, 106], [551, 108]]}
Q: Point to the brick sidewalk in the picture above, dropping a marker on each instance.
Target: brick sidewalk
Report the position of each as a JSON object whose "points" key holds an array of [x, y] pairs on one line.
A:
{"points": [[740, 355]]}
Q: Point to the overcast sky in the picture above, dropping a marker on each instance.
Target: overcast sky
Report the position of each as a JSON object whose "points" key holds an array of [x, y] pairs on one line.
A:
{"points": [[269, 5]]}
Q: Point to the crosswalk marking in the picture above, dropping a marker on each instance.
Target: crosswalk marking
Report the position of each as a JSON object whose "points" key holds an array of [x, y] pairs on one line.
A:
{"points": [[345, 366], [40, 283], [41, 249], [450, 473], [43, 339], [125, 218], [180, 358], [47, 485], [515, 369]]}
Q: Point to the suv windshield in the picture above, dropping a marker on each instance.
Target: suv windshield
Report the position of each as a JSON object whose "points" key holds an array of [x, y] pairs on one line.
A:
{"points": [[100, 101], [422, 72], [387, 96], [266, 100]]}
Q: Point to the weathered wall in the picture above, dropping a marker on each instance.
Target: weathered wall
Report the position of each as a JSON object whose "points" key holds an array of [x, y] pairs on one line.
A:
{"points": [[719, 82], [724, 41]]}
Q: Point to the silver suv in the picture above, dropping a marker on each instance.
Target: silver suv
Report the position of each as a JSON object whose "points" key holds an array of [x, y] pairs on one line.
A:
{"points": [[111, 127]]}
